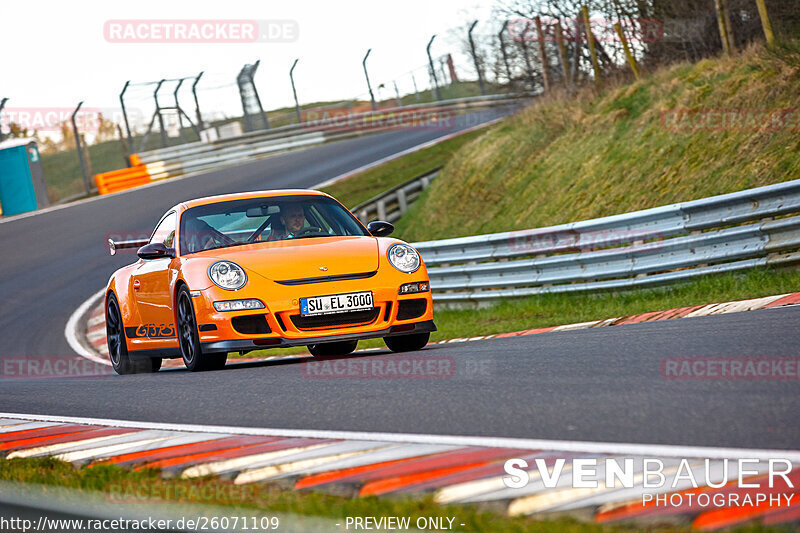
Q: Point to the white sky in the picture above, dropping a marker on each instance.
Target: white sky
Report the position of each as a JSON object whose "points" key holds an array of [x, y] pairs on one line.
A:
{"points": [[55, 53]]}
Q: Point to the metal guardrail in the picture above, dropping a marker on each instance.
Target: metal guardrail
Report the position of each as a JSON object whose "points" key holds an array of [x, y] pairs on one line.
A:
{"points": [[201, 156], [392, 204], [674, 242]]}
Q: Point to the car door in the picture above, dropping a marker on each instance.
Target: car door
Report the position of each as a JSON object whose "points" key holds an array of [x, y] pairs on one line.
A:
{"points": [[151, 281]]}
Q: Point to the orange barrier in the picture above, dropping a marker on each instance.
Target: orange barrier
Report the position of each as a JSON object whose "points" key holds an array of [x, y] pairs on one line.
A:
{"points": [[119, 180]]}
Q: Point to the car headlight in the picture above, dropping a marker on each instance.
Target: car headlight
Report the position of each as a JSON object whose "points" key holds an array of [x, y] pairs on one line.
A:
{"points": [[227, 275], [404, 258]]}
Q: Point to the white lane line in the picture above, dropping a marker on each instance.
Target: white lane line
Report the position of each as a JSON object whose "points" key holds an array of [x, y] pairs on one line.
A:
{"points": [[618, 448], [411, 150], [74, 326]]}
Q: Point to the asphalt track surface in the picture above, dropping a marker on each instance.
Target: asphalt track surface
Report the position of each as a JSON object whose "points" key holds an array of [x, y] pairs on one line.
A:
{"points": [[600, 384]]}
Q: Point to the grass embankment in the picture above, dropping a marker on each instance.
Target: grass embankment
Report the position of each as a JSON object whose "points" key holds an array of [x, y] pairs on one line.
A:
{"points": [[374, 181], [601, 154], [608, 152], [124, 486]]}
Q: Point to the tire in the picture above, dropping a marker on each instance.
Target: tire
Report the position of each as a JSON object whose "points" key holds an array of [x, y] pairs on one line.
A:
{"points": [[189, 338], [330, 349], [118, 349], [407, 343]]}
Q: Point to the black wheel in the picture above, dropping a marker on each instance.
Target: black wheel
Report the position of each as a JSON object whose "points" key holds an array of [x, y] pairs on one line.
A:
{"points": [[407, 343], [117, 348], [330, 349], [189, 338]]}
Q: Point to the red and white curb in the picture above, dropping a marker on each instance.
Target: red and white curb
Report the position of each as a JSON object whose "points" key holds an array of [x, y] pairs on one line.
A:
{"points": [[753, 304], [454, 469], [94, 329]]}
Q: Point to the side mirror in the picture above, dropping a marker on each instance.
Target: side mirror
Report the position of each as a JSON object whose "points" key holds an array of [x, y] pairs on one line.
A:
{"points": [[156, 250], [379, 228]]}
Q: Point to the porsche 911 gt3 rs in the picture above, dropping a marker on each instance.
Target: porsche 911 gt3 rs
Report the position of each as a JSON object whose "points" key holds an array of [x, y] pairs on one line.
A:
{"points": [[244, 272]]}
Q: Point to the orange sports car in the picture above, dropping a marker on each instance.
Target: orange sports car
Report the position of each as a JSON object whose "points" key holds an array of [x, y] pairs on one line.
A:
{"points": [[248, 271]]}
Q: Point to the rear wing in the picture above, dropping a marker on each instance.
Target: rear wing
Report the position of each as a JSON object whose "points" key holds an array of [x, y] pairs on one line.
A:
{"points": [[114, 246]]}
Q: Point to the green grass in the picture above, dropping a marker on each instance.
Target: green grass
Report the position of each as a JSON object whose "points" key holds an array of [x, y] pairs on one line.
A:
{"points": [[115, 481], [374, 181], [607, 152]]}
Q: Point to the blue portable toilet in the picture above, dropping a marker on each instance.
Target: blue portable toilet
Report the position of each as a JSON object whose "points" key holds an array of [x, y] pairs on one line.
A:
{"points": [[22, 187]]}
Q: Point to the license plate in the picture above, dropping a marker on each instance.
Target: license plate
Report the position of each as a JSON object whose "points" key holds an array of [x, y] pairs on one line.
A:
{"points": [[336, 303]]}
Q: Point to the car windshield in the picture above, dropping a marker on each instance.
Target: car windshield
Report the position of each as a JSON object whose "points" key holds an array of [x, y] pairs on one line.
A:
{"points": [[238, 222]]}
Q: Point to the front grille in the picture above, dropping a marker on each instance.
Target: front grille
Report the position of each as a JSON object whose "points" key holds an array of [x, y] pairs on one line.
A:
{"points": [[350, 318], [251, 324], [408, 309]]}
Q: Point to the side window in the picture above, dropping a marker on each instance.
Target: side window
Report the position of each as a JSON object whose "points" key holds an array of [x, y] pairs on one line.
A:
{"points": [[165, 232]]}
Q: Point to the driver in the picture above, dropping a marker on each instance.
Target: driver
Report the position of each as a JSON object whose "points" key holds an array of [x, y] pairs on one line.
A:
{"points": [[293, 218]]}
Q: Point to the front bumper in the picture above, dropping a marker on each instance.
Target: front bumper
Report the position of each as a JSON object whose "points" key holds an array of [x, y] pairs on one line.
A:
{"points": [[245, 345], [282, 314]]}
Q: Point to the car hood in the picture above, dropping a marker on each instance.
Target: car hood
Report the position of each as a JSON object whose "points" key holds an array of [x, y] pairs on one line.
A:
{"points": [[304, 258]]}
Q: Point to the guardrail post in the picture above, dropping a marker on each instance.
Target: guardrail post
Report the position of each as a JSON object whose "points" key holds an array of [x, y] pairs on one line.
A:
{"points": [[426, 181], [402, 202], [369, 85], [363, 215], [381, 209], [433, 69], [475, 58], [79, 148]]}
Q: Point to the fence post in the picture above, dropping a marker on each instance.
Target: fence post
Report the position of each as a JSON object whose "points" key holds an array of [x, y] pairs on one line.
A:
{"points": [[503, 49], [542, 53], [79, 148], [724, 32], [125, 116], [562, 54], [433, 69], [587, 26], [369, 85], [200, 124], [475, 57], [765, 23], [294, 92], [628, 54], [158, 113]]}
